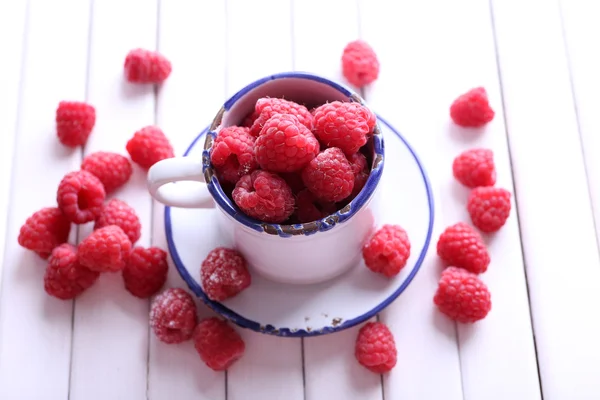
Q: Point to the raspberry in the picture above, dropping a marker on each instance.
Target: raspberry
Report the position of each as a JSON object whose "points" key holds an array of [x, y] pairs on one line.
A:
{"points": [[250, 118], [80, 196], [218, 344], [360, 65], [146, 66], [112, 169], [387, 250], [358, 162], [65, 278], [148, 146], [329, 176], [475, 168], [472, 109], [310, 209], [285, 145], [264, 196], [375, 347], [146, 271], [173, 316], [489, 208], [105, 249], [461, 246], [74, 122], [224, 274], [267, 108], [44, 230], [344, 125], [462, 296], [117, 212], [233, 153]]}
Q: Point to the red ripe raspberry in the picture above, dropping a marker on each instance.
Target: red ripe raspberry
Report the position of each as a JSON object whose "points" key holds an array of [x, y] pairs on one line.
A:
{"points": [[117, 212], [360, 65], [218, 344], [233, 153], [146, 66], [267, 107], [472, 109], [65, 278], [146, 271], [344, 125], [461, 246], [112, 169], [80, 196], [44, 230], [310, 209], [329, 176], [105, 249], [264, 196], [224, 274], [375, 348], [387, 250], [285, 145], [173, 316], [462, 296], [358, 162], [74, 122], [489, 208], [148, 146], [475, 168]]}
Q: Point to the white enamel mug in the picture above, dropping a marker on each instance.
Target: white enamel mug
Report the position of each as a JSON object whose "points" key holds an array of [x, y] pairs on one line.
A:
{"points": [[298, 254]]}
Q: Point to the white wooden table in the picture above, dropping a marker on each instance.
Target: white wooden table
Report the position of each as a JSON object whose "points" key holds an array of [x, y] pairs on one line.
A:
{"points": [[538, 59]]}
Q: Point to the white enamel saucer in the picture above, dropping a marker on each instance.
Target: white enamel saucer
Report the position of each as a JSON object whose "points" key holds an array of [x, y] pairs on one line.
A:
{"points": [[404, 197]]}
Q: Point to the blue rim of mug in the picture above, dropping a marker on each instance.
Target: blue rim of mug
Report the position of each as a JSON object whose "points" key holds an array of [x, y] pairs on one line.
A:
{"points": [[243, 322], [306, 229]]}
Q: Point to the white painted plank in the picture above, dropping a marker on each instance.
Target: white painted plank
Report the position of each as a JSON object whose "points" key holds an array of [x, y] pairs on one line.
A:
{"points": [[187, 102], [409, 77], [331, 370], [35, 329], [556, 218], [12, 26], [260, 43], [110, 338]]}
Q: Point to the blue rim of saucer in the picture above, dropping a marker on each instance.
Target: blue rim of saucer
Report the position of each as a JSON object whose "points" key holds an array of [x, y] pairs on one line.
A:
{"points": [[239, 320]]}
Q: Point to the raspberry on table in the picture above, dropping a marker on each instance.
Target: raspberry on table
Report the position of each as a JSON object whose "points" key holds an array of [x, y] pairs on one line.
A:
{"points": [[387, 250], [489, 208], [264, 196], [346, 125], [113, 170], [462, 296], [65, 277], [173, 316], [224, 274], [218, 344], [461, 246], [74, 122], [233, 153], [146, 271], [267, 107], [105, 249], [148, 146], [80, 196], [475, 167], [117, 212], [472, 109], [360, 65], [329, 175], [310, 209], [285, 145], [146, 66], [44, 230], [358, 162], [375, 348]]}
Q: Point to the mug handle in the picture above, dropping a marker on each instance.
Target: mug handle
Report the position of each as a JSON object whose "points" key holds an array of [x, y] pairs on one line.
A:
{"points": [[162, 183]]}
